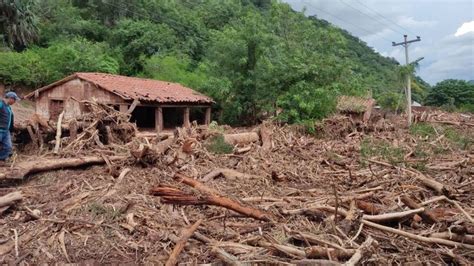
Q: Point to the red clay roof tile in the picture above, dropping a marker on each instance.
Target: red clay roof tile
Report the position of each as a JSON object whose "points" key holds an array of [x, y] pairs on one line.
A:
{"points": [[138, 88]]}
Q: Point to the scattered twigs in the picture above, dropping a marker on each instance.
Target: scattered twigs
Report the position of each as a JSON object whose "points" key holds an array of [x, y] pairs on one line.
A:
{"points": [[430, 240], [185, 235], [455, 203], [226, 172]]}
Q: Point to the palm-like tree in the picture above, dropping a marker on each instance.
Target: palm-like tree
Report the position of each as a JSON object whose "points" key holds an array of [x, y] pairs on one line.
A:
{"points": [[17, 23]]}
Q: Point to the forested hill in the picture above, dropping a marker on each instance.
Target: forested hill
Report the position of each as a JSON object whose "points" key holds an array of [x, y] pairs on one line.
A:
{"points": [[252, 56]]}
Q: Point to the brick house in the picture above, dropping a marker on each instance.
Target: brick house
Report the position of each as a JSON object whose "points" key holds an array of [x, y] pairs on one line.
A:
{"points": [[161, 105]]}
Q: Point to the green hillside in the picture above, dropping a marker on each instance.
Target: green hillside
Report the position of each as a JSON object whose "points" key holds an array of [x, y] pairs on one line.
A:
{"points": [[252, 56]]}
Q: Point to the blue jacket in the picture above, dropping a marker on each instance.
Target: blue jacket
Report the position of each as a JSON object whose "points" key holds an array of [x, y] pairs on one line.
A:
{"points": [[6, 117]]}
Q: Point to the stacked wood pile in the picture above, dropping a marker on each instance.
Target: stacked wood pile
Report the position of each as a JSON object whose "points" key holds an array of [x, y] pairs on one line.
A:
{"points": [[280, 197]]}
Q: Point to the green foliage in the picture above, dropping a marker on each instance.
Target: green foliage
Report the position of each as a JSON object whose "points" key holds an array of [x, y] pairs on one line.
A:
{"points": [[422, 129], [17, 23], [392, 101], [174, 69], [218, 145], [39, 66], [254, 57], [304, 102], [380, 148], [451, 94]]}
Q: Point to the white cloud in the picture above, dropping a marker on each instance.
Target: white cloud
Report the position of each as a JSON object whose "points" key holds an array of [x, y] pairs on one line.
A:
{"points": [[465, 28]]}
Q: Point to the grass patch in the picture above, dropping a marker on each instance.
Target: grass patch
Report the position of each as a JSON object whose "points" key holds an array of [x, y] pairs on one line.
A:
{"points": [[459, 139], [422, 130], [218, 145], [99, 210], [379, 148]]}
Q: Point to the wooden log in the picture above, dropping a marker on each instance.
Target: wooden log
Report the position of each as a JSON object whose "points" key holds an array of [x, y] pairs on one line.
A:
{"points": [[58, 133], [164, 145], [392, 217], [266, 137], [316, 252], [431, 183], [468, 239], [369, 207], [22, 169], [241, 138], [185, 235], [427, 215], [210, 197], [73, 130], [430, 240], [132, 107], [10, 198], [361, 252]]}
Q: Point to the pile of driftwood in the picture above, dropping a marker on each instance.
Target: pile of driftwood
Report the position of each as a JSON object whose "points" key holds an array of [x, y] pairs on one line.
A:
{"points": [[280, 197]]}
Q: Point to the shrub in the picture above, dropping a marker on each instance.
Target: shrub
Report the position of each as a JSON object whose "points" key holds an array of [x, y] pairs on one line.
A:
{"points": [[422, 129], [218, 145]]}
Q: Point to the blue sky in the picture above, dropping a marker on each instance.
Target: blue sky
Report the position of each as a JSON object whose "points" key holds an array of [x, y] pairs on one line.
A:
{"points": [[446, 28]]}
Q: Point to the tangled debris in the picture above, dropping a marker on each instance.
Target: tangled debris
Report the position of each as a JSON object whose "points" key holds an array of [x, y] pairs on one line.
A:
{"points": [[284, 197]]}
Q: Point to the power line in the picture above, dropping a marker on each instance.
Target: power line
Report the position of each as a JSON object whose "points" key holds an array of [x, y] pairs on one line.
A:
{"points": [[370, 16], [386, 18], [345, 21]]}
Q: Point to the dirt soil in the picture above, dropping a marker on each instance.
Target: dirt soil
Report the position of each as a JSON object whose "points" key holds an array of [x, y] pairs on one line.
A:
{"points": [[89, 216]]}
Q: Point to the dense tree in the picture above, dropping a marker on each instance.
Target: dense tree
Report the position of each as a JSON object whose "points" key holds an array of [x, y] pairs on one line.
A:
{"points": [[254, 57], [452, 93], [17, 23]]}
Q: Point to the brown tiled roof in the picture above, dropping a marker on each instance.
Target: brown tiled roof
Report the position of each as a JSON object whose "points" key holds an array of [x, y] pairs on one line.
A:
{"points": [[130, 88]]}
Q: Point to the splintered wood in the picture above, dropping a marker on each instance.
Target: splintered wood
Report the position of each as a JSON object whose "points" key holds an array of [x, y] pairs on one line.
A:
{"points": [[359, 193]]}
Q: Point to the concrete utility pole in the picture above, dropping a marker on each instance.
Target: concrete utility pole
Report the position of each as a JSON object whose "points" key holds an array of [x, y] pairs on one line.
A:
{"points": [[408, 91]]}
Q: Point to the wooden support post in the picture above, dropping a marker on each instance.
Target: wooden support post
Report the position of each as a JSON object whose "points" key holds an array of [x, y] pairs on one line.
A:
{"points": [[159, 119], [186, 122], [207, 119]]}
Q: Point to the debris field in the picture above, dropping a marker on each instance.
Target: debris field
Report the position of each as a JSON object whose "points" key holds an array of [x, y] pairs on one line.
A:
{"points": [[97, 191]]}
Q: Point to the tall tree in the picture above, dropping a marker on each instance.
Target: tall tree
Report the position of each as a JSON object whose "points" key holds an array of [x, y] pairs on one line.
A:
{"points": [[17, 23]]}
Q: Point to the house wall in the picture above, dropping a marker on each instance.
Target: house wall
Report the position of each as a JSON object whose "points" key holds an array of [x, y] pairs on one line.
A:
{"points": [[79, 90]]}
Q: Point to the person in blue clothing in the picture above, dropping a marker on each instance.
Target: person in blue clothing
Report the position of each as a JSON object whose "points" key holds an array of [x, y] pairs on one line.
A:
{"points": [[6, 125]]}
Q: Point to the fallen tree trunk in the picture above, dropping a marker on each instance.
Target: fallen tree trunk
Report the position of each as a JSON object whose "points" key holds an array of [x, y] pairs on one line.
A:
{"points": [[22, 169], [241, 138], [172, 195], [10, 198]]}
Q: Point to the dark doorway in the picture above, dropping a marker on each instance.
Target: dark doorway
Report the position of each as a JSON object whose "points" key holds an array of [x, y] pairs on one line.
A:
{"points": [[173, 117], [55, 109], [144, 117], [197, 114]]}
